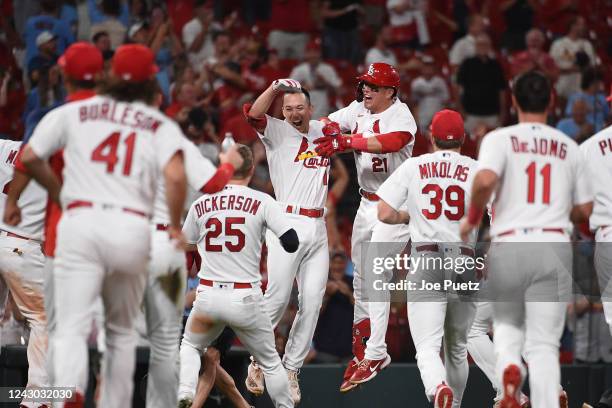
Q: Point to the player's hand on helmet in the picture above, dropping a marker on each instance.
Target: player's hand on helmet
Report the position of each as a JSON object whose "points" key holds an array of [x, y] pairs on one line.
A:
{"points": [[326, 146], [12, 213], [286, 84], [232, 157]]}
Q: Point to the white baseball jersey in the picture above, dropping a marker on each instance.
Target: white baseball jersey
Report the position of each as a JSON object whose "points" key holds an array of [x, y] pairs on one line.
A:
{"points": [[199, 171], [299, 176], [542, 175], [597, 152], [114, 151], [228, 228], [373, 169], [436, 190], [33, 199]]}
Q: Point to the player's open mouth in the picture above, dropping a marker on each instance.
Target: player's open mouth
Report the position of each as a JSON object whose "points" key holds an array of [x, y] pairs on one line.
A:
{"points": [[367, 98], [297, 123]]}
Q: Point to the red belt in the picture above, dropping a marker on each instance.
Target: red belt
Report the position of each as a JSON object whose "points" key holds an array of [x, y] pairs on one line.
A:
{"points": [[162, 227], [13, 235], [308, 212], [237, 285], [79, 203], [515, 231], [369, 196], [436, 248]]}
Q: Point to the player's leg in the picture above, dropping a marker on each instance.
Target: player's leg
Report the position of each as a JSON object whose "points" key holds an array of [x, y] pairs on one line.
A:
{"points": [[164, 302], [459, 317], [479, 344], [49, 311], [603, 266]]}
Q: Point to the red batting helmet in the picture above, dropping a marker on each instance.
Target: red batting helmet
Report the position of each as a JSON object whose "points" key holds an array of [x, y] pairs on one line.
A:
{"points": [[381, 74]]}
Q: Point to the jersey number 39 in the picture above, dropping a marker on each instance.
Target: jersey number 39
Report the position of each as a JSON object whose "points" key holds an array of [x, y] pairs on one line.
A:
{"points": [[453, 196]]}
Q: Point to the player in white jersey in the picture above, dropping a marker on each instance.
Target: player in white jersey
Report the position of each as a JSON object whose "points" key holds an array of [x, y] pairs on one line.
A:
{"points": [[116, 146], [228, 228], [164, 293], [597, 151], [299, 177], [435, 188], [382, 133], [541, 186], [22, 263]]}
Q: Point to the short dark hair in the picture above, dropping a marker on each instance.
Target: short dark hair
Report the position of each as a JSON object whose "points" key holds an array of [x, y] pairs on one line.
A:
{"points": [[589, 77], [301, 91], [125, 91], [98, 35], [448, 144], [244, 171], [532, 92]]}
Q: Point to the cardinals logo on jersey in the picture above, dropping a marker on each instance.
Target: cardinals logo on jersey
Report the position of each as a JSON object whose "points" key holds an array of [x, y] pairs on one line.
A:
{"points": [[310, 158]]}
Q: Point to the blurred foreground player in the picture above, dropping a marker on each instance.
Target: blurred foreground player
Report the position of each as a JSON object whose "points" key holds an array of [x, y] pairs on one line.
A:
{"points": [[107, 198], [541, 186], [228, 228]]}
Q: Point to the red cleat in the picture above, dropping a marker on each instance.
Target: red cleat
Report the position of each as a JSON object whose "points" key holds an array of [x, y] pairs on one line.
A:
{"points": [[443, 397], [346, 385], [368, 369], [512, 387], [563, 401], [79, 402]]}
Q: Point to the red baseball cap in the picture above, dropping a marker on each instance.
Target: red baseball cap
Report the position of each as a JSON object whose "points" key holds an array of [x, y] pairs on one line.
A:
{"points": [[81, 61], [134, 63], [447, 125]]}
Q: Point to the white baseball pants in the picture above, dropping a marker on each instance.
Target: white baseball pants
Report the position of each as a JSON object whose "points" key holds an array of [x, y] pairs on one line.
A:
{"points": [[310, 265], [21, 267], [99, 253], [532, 280], [480, 346], [164, 303], [367, 228], [603, 266], [244, 311]]}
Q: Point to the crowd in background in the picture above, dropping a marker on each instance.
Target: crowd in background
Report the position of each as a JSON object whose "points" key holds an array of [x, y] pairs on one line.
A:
{"points": [[214, 56]]}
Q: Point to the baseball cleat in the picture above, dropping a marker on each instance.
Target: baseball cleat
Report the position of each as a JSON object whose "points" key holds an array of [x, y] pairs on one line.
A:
{"points": [[185, 403], [347, 385], [367, 369], [255, 379], [563, 400], [443, 397], [294, 386], [524, 401], [79, 401], [512, 387]]}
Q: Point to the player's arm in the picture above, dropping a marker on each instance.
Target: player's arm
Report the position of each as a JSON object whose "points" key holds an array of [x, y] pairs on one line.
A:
{"points": [[12, 212], [583, 191], [229, 162], [40, 171], [256, 113], [176, 192], [278, 223], [333, 141], [390, 215], [393, 193], [485, 183]]}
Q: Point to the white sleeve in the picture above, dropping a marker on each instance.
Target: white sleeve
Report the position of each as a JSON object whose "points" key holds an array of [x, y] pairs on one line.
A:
{"points": [[455, 54], [556, 52], [274, 132], [331, 76], [198, 168], [50, 135], [583, 192], [344, 117], [167, 141], [403, 121], [393, 3], [276, 220], [189, 34], [394, 191], [190, 227], [299, 74], [492, 155], [444, 94]]}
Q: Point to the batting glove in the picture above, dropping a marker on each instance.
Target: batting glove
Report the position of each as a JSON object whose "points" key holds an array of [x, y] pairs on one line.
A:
{"points": [[285, 85], [332, 129], [328, 145]]}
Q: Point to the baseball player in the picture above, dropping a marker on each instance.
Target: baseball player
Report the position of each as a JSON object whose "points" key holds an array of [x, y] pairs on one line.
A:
{"points": [[81, 65], [22, 264], [597, 151], [541, 186], [107, 199], [300, 178], [381, 136], [164, 293], [228, 229], [436, 189]]}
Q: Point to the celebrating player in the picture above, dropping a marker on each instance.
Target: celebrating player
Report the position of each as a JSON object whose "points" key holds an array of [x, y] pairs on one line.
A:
{"points": [[436, 188], [228, 228], [107, 197], [541, 185], [382, 136], [299, 177]]}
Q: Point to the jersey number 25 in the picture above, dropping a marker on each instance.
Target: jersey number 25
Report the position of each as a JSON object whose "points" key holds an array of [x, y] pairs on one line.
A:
{"points": [[215, 227]]}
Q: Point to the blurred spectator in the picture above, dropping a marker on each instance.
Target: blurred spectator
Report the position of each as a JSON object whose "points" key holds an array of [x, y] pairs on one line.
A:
{"points": [[111, 16], [290, 24], [481, 84], [429, 93], [593, 94], [518, 15], [69, 15], [48, 94], [408, 23], [341, 38], [198, 34], [318, 77], [162, 39], [534, 57], [592, 340], [577, 127], [240, 130], [102, 42], [185, 99], [381, 52], [12, 102], [572, 53], [465, 47], [46, 57], [332, 338], [340, 180], [46, 21]]}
